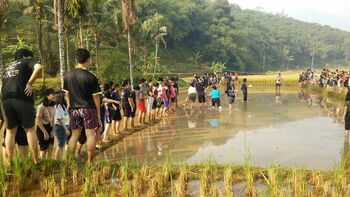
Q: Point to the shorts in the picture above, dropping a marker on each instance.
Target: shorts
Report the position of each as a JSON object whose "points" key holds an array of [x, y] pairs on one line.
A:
{"points": [[127, 110], [231, 100], [174, 100], [154, 104], [17, 110], [278, 85], [116, 115], [159, 103], [201, 97], [142, 106], [82, 139], [192, 97], [150, 104], [347, 121], [83, 118], [133, 113], [166, 103], [21, 137], [44, 144], [60, 134], [215, 101]]}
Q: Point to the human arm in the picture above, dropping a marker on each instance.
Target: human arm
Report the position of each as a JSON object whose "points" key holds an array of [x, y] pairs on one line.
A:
{"points": [[131, 103], [29, 87]]}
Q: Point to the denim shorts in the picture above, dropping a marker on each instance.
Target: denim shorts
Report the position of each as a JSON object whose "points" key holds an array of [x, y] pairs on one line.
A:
{"points": [[60, 135]]}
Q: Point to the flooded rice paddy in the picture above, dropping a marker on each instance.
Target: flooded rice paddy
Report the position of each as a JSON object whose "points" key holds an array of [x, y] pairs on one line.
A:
{"points": [[294, 128]]}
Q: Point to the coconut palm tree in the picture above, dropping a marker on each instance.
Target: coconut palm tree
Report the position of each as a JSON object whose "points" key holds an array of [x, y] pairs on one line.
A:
{"points": [[129, 18], [78, 10], [60, 26], [3, 7]]}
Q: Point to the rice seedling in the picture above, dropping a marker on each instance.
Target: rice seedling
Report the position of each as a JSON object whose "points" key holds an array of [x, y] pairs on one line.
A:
{"points": [[4, 186], [228, 182], [18, 172], [180, 185], [298, 183], [339, 181], [136, 184], [249, 188], [86, 187], [274, 182], [124, 180], [206, 180]]}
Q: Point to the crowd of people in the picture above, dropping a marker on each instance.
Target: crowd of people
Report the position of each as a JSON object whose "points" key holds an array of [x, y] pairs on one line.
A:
{"points": [[327, 78], [209, 85], [84, 112]]}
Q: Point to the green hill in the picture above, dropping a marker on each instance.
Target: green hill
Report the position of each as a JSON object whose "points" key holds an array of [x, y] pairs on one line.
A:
{"points": [[199, 32]]}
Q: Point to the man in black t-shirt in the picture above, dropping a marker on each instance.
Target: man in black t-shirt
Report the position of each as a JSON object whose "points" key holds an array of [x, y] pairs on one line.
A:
{"points": [[17, 100], [83, 93], [127, 103]]}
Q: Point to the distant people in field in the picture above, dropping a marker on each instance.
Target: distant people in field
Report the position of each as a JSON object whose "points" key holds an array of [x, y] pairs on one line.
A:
{"points": [[278, 82]]}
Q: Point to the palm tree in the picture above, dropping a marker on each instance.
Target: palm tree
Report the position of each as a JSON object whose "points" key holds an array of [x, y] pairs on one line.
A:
{"points": [[60, 26], [287, 57], [77, 9], [196, 58], [314, 50], [3, 7], [129, 18]]}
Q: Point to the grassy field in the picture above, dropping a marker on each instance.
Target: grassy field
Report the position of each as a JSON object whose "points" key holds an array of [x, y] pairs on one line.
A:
{"points": [[129, 179]]}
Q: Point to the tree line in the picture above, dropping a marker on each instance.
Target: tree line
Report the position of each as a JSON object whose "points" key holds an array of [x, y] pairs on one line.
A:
{"points": [[150, 35]]}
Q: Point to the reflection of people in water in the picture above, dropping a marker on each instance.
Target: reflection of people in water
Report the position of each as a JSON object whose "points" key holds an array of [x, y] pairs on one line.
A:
{"points": [[191, 120], [244, 113], [346, 116], [278, 98]]}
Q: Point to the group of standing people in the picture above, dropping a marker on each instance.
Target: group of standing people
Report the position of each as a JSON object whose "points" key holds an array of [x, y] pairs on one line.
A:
{"points": [[202, 87], [84, 112]]}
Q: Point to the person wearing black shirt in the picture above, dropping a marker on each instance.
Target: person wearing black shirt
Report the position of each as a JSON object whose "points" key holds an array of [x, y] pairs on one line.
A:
{"points": [[346, 117], [17, 100], [84, 101], [201, 94], [127, 103], [231, 94], [244, 89]]}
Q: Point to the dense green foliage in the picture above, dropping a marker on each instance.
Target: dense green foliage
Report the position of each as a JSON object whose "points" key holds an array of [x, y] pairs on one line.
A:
{"points": [[198, 32]]}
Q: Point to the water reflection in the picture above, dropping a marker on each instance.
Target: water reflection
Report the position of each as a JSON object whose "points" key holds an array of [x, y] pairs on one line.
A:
{"points": [[290, 128]]}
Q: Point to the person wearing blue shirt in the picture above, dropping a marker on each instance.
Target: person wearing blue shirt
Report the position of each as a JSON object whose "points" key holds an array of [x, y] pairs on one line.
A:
{"points": [[215, 97]]}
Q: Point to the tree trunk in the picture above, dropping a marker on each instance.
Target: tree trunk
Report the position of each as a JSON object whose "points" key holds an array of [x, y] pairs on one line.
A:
{"points": [[67, 49], [55, 11], [130, 59], [312, 61], [40, 46], [97, 49], [81, 32], [156, 58], [61, 38], [264, 61]]}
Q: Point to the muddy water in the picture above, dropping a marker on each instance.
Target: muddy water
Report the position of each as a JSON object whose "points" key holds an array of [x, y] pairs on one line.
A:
{"points": [[294, 128]]}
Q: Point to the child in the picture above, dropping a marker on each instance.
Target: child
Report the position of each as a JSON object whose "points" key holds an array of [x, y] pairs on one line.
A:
{"points": [[244, 89], [231, 93], [61, 125], [215, 97]]}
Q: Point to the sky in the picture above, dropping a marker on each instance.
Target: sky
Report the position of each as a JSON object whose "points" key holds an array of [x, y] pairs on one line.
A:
{"points": [[335, 13]]}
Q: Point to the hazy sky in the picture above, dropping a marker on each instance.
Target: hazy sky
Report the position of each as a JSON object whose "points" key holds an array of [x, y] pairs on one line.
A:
{"points": [[335, 13]]}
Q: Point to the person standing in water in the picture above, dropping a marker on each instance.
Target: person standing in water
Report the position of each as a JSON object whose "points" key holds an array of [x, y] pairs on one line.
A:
{"points": [[244, 90], [279, 80], [18, 101], [346, 116], [215, 97], [84, 101], [231, 93]]}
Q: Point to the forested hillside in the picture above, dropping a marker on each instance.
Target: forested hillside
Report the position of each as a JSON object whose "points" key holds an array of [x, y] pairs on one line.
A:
{"points": [[198, 32]]}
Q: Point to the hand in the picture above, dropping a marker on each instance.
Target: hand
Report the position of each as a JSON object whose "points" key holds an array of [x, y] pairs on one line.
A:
{"points": [[46, 136], [67, 132], [29, 90]]}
